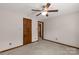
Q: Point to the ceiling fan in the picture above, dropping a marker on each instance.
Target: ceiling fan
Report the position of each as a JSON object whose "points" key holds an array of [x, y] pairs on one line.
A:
{"points": [[44, 10]]}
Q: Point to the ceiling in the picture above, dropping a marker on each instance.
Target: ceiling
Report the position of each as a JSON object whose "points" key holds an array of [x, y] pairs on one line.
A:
{"points": [[25, 8]]}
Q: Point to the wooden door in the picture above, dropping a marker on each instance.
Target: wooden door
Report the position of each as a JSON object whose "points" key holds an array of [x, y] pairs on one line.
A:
{"points": [[27, 31], [40, 29]]}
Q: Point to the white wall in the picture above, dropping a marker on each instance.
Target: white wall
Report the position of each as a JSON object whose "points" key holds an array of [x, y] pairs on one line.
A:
{"points": [[34, 29], [11, 29], [64, 28]]}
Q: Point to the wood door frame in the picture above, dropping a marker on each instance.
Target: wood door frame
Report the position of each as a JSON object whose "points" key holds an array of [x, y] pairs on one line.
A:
{"points": [[42, 29], [23, 29]]}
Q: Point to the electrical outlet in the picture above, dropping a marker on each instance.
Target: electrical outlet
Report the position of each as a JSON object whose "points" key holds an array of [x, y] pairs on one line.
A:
{"points": [[10, 43]]}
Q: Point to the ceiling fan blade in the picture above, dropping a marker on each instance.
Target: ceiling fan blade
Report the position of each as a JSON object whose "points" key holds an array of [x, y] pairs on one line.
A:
{"points": [[36, 10], [38, 14], [47, 5], [52, 11]]}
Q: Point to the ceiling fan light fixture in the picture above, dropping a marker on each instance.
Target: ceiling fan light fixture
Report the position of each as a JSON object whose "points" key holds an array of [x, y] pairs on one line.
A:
{"points": [[45, 9], [44, 13]]}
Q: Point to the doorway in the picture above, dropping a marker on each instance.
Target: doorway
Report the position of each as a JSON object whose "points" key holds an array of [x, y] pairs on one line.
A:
{"points": [[40, 30], [27, 31]]}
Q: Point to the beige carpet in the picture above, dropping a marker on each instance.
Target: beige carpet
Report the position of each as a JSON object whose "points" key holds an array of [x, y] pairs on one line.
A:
{"points": [[43, 47]]}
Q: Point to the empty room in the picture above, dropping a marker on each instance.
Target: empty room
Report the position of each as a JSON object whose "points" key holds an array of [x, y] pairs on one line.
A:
{"points": [[39, 28]]}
